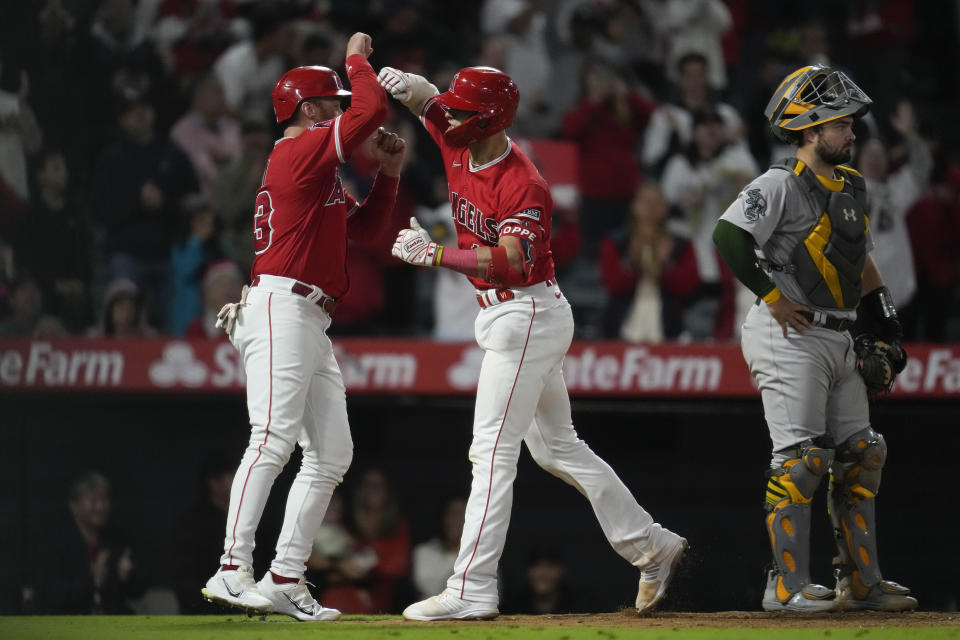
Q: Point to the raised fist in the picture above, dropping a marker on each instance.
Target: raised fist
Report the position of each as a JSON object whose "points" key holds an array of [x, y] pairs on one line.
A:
{"points": [[395, 82], [360, 43]]}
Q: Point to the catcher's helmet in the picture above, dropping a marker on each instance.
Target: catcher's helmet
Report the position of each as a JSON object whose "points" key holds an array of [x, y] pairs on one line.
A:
{"points": [[301, 83], [811, 96], [489, 92]]}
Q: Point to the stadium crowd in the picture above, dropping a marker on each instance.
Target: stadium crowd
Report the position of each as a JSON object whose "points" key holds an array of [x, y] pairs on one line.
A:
{"points": [[133, 137]]}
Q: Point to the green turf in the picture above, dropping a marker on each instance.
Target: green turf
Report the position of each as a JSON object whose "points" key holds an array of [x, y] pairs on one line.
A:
{"points": [[393, 628]]}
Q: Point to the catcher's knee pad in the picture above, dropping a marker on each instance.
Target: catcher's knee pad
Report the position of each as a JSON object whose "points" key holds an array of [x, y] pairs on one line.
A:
{"points": [[790, 489], [854, 483]]}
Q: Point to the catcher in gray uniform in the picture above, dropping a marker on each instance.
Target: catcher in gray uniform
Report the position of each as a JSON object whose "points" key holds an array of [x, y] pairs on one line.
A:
{"points": [[797, 236]]}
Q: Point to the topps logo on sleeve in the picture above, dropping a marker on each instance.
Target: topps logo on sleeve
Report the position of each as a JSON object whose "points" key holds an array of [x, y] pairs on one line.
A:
{"points": [[756, 205], [533, 214]]}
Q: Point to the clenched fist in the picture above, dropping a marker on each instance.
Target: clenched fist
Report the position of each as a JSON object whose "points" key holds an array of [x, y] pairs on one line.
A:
{"points": [[415, 246], [389, 149], [395, 82]]}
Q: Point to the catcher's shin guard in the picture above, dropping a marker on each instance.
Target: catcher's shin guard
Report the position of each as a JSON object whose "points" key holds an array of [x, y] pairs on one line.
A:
{"points": [[790, 489], [854, 482]]}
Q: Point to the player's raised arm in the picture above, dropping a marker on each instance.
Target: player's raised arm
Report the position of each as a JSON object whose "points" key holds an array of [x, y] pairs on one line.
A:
{"points": [[417, 94], [368, 105]]}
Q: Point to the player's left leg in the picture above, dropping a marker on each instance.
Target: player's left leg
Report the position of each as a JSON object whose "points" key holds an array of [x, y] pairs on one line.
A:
{"points": [[516, 357], [854, 482], [327, 453], [631, 531]]}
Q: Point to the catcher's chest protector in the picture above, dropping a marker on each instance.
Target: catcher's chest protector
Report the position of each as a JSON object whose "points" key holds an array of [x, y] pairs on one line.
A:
{"points": [[828, 264]]}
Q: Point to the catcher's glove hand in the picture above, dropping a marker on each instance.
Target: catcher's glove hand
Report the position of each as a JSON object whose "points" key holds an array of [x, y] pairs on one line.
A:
{"points": [[878, 362]]}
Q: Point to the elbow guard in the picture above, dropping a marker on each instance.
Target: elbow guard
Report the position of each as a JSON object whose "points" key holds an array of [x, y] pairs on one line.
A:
{"points": [[419, 92], [501, 272]]}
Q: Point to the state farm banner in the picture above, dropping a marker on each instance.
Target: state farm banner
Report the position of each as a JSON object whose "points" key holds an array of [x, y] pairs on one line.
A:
{"points": [[402, 366]]}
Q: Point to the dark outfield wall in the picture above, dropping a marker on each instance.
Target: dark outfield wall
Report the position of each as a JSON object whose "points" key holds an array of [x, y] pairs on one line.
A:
{"points": [[696, 466]]}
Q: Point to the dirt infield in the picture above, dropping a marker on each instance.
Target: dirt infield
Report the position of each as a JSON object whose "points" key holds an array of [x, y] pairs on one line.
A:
{"points": [[627, 618]]}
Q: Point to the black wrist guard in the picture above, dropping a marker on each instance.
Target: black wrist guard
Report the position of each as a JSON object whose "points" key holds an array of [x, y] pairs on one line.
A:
{"points": [[878, 305]]}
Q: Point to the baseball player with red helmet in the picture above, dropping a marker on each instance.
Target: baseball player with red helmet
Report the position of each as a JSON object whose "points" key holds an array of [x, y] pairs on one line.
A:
{"points": [[502, 210], [295, 392]]}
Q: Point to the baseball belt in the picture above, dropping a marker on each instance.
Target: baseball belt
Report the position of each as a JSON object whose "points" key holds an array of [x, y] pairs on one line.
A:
{"points": [[821, 319], [324, 301], [494, 296]]}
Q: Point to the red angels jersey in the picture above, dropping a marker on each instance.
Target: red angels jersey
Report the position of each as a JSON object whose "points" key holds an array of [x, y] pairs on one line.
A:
{"points": [[504, 197], [301, 211]]}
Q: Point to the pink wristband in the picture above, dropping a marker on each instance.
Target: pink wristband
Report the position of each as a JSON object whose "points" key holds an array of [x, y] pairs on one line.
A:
{"points": [[462, 260]]}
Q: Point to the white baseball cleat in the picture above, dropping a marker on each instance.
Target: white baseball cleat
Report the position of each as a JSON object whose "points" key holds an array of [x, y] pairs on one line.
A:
{"points": [[447, 606], [236, 589], [656, 576], [294, 600]]}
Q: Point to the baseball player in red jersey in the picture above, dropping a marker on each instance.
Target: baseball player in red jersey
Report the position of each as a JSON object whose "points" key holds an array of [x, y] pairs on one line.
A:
{"points": [[295, 393], [502, 209]]}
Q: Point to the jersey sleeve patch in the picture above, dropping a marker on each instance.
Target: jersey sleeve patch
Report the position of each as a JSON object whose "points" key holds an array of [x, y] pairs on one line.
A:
{"points": [[755, 205], [533, 213]]}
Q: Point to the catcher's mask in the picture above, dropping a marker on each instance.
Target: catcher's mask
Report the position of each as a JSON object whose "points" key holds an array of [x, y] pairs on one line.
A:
{"points": [[812, 96], [487, 91]]}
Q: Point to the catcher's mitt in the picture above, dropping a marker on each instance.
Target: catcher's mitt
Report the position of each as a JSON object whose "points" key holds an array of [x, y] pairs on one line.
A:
{"points": [[878, 362]]}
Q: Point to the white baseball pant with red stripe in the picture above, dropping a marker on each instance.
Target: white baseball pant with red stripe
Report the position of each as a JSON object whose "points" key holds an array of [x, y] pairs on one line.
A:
{"points": [[295, 394], [521, 396]]}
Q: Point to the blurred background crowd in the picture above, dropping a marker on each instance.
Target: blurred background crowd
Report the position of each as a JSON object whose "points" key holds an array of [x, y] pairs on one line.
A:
{"points": [[364, 559], [133, 136]]}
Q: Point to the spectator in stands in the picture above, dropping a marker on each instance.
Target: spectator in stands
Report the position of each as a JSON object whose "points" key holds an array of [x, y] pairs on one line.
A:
{"points": [[697, 26], [235, 189], [55, 246], [210, 137], [200, 533], [137, 189], [191, 34], [377, 525], [123, 313], [890, 196], [85, 565], [26, 317], [336, 564], [606, 125], [433, 560], [20, 138], [521, 26], [363, 554], [249, 69], [699, 182], [934, 224], [577, 28], [120, 57], [545, 589], [671, 125], [317, 50], [189, 259], [54, 63], [648, 272], [222, 283]]}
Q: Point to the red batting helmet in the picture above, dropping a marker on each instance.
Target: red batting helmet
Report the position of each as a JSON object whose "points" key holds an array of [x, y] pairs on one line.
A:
{"points": [[301, 83], [489, 92]]}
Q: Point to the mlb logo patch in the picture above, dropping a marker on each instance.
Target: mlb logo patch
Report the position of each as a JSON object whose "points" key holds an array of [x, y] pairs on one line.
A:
{"points": [[533, 214]]}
